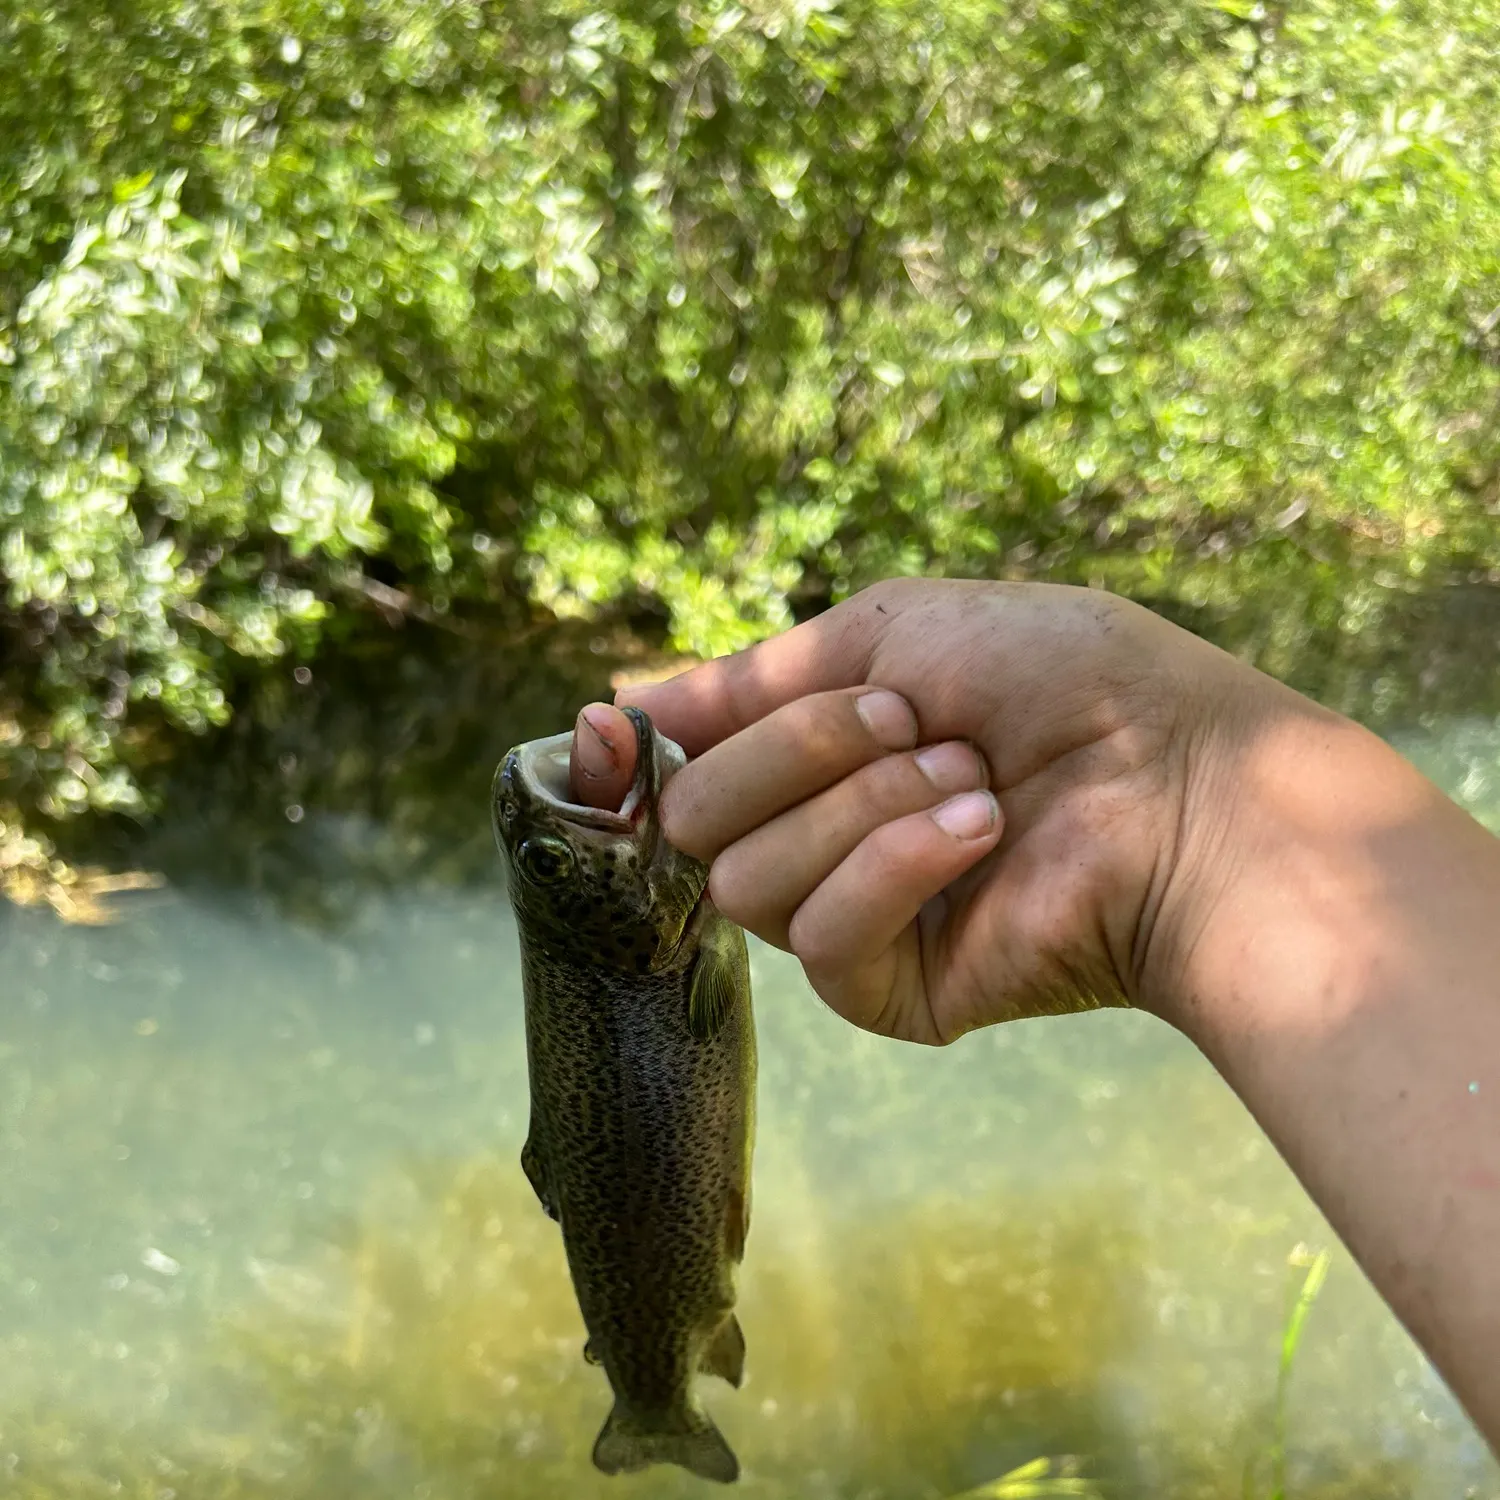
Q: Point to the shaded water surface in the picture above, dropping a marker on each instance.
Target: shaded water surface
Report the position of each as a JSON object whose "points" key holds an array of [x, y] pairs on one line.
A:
{"points": [[264, 1233]]}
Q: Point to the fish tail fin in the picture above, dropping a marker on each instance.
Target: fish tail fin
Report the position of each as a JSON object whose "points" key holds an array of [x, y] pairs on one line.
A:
{"points": [[686, 1437], [725, 1354]]}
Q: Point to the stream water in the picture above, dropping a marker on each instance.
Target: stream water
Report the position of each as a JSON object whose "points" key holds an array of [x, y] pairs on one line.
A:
{"points": [[263, 1232]]}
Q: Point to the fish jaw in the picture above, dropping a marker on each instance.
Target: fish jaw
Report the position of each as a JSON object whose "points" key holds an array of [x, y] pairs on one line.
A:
{"points": [[615, 888], [537, 774]]}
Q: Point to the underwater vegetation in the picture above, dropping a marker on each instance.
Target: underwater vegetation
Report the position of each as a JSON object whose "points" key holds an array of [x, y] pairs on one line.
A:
{"points": [[432, 1349]]}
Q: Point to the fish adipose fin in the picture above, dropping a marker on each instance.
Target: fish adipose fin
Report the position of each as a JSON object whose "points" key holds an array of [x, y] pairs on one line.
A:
{"points": [[721, 980], [686, 1438], [725, 1355]]}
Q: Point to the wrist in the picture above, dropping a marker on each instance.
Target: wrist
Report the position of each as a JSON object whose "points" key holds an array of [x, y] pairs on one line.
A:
{"points": [[1276, 865]]}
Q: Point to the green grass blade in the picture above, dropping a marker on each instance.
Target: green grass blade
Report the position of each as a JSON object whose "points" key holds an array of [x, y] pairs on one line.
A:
{"points": [[1291, 1337], [1037, 1480]]}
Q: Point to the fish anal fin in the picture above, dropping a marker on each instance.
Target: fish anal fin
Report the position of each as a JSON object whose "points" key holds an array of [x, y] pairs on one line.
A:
{"points": [[534, 1165], [721, 979], [725, 1354], [736, 1224], [688, 1438]]}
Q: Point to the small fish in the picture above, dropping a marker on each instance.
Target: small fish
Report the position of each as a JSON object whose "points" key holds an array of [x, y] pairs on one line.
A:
{"points": [[641, 1052]]}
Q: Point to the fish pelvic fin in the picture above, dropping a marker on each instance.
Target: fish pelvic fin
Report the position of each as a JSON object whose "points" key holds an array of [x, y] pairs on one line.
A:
{"points": [[721, 979], [686, 1437], [725, 1354], [534, 1164]]}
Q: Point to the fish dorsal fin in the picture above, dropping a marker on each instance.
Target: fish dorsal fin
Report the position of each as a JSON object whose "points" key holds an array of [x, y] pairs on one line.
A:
{"points": [[721, 979]]}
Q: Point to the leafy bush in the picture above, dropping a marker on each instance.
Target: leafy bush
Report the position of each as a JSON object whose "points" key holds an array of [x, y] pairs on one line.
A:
{"points": [[718, 309]]}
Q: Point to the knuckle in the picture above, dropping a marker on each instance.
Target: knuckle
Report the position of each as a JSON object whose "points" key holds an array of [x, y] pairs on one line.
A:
{"points": [[677, 811], [898, 787], [815, 944], [819, 726], [887, 788], [733, 888], [887, 852]]}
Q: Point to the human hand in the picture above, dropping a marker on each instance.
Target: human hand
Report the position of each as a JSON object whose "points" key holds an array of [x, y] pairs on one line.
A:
{"points": [[1025, 826], [1176, 831]]}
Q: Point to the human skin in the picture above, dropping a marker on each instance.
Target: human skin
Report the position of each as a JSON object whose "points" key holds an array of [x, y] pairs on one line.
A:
{"points": [[1132, 818]]}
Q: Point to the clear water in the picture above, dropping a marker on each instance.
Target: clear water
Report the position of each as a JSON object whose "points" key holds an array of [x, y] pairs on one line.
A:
{"points": [[263, 1232]]}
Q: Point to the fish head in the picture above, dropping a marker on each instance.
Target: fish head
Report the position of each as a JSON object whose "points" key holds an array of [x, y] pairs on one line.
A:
{"points": [[605, 885]]}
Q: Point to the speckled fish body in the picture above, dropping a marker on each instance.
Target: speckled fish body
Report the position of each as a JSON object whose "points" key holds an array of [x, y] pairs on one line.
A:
{"points": [[641, 1053]]}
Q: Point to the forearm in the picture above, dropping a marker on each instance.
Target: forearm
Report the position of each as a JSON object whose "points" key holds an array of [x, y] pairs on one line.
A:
{"points": [[1344, 976]]}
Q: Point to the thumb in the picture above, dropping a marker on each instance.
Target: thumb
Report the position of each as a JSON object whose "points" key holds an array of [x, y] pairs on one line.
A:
{"points": [[601, 765]]}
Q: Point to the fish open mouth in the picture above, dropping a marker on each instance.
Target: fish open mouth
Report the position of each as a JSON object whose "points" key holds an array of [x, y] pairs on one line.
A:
{"points": [[542, 767]]}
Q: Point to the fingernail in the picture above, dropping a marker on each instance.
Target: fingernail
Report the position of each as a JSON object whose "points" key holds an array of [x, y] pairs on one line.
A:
{"points": [[597, 717], [889, 719], [970, 816], [596, 759], [952, 767]]}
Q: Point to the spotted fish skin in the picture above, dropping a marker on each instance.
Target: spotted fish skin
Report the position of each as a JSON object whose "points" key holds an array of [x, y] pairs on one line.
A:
{"points": [[641, 1056]]}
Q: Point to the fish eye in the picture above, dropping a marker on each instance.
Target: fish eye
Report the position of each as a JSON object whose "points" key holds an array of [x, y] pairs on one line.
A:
{"points": [[545, 860]]}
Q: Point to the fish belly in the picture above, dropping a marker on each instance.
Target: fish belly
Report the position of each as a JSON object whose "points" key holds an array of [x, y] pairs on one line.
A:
{"points": [[642, 1133]]}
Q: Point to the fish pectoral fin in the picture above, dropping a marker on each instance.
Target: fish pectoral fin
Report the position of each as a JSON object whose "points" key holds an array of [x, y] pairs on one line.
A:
{"points": [[725, 1354], [591, 1355], [687, 1437], [721, 979], [534, 1165]]}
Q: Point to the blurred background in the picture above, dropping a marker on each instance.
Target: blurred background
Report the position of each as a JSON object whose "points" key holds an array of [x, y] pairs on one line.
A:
{"points": [[380, 381]]}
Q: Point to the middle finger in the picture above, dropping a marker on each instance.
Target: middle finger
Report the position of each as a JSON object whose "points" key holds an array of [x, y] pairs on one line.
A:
{"points": [[762, 879], [778, 761]]}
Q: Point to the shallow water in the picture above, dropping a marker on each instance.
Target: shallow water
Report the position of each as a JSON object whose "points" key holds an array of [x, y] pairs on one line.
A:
{"points": [[264, 1233]]}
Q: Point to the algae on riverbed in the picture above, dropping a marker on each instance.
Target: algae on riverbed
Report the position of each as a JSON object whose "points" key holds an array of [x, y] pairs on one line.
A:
{"points": [[431, 1349]]}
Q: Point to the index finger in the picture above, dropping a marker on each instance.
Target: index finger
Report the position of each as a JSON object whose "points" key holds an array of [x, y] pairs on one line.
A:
{"points": [[709, 703]]}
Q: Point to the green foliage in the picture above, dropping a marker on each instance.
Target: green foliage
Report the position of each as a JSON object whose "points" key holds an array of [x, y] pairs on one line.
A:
{"points": [[720, 309]]}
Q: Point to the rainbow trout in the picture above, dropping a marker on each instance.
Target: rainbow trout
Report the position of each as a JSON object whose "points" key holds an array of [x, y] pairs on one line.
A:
{"points": [[641, 1053]]}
